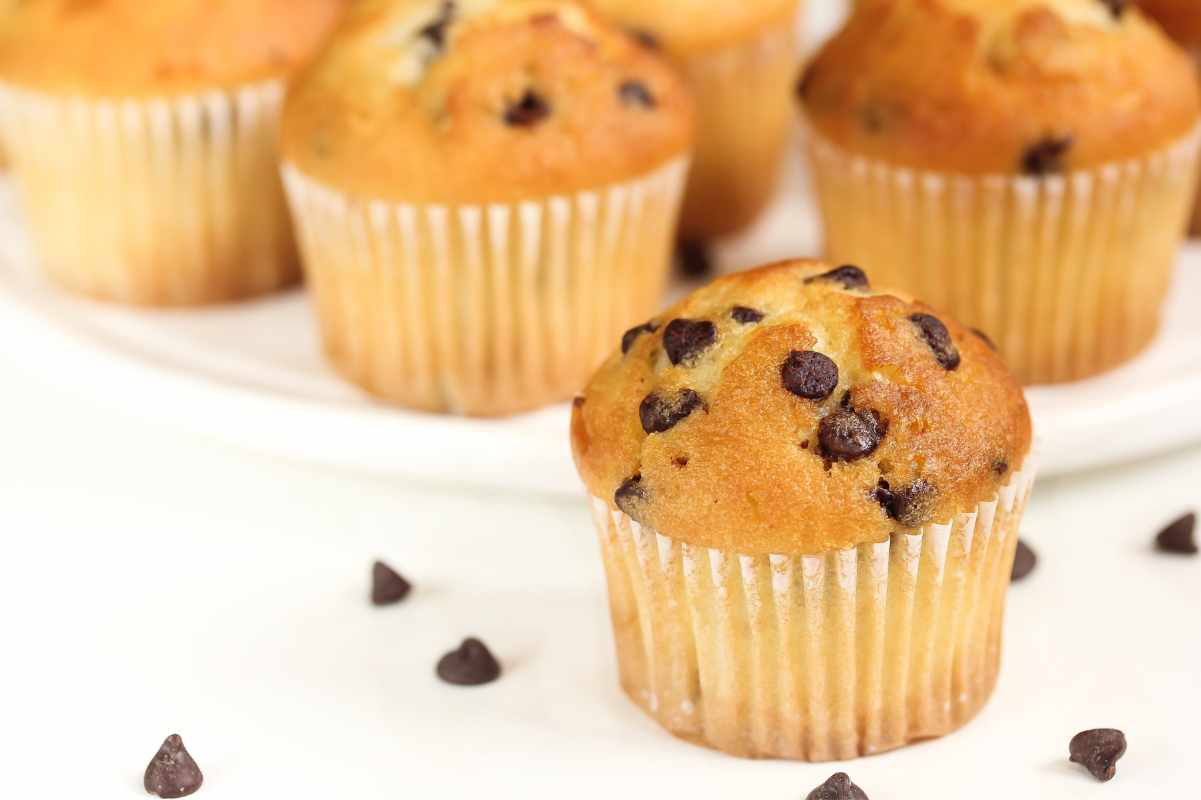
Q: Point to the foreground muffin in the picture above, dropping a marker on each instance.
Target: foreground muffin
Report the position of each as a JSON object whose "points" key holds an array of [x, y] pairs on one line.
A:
{"points": [[1026, 165], [741, 59], [486, 194], [808, 497], [143, 136]]}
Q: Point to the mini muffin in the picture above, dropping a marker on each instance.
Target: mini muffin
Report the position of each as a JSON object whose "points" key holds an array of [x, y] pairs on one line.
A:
{"points": [[1028, 165], [808, 496], [741, 59], [143, 136], [486, 193]]}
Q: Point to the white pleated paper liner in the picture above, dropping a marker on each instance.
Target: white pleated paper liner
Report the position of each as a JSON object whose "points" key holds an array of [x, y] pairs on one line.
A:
{"points": [[1068, 273], [816, 658], [484, 309], [154, 201]]}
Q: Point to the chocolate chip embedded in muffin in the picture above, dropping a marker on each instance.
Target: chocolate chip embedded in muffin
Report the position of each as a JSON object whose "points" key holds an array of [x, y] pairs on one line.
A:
{"points": [[645, 38], [1024, 562], [809, 374], [838, 787], [1000, 467], [1179, 537], [746, 316], [685, 339], [635, 93], [660, 413], [1047, 156], [912, 506], [172, 772], [529, 110], [435, 32], [629, 337], [849, 434], [631, 497], [388, 586], [1116, 7], [1098, 751], [939, 338], [472, 664], [848, 276]]}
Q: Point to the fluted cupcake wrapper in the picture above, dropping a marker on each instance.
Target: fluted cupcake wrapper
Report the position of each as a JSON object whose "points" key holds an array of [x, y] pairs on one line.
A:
{"points": [[484, 309], [1067, 273], [818, 657], [154, 201]]}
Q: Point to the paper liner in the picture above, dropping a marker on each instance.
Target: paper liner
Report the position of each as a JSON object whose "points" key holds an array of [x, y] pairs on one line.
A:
{"points": [[490, 309], [1067, 274], [161, 201], [814, 658]]}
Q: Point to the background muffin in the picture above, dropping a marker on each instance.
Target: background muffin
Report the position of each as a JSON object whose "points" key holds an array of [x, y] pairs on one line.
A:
{"points": [[1027, 165], [486, 193], [143, 138], [808, 496]]}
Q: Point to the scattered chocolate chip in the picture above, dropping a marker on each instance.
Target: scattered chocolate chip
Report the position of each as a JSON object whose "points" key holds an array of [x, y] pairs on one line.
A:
{"points": [[635, 93], [838, 787], [809, 374], [631, 336], [631, 496], [912, 506], [849, 276], [1000, 467], [1024, 562], [172, 772], [645, 38], [746, 316], [693, 259], [529, 110], [1046, 156], [849, 434], [685, 339], [388, 587], [939, 339], [984, 337], [1116, 7], [472, 664], [435, 32], [1179, 537], [1098, 751], [660, 414]]}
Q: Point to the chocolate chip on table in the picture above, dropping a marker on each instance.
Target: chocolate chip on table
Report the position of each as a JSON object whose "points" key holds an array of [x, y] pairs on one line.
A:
{"points": [[838, 787], [472, 664], [939, 339], [1024, 562], [631, 336], [388, 586], [850, 434], [912, 506], [693, 259], [529, 110], [630, 497], [685, 339], [746, 316], [1046, 156], [984, 337], [635, 93], [172, 772], [1179, 537], [809, 374], [435, 32], [848, 275], [660, 413], [1116, 7], [1098, 751]]}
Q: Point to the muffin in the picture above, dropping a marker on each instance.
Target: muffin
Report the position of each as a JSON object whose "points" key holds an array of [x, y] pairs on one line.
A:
{"points": [[808, 496], [485, 194], [741, 59], [1028, 165], [143, 137]]}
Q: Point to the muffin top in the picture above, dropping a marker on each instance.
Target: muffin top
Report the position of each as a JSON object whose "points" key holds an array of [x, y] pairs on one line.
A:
{"points": [[1001, 86], [1180, 18], [483, 101], [689, 27], [792, 410], [123, 48]]}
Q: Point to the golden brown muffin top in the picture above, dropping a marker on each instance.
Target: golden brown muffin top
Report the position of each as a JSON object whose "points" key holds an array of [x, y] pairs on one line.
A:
{"points": [[689, 27], [1001, 86], [1180, 18], [792, 410], [483, 101], [122, 48]]}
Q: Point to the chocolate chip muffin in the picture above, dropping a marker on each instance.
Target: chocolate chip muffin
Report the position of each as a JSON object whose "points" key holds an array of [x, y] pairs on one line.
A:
{"points": [[143, 137], [486, 194], [808, 496], [741, 59], [1026, 165]]}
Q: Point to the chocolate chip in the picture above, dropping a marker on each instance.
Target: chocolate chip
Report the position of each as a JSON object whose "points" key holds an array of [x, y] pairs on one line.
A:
{"points": [[1024, 562], [1116, 7], [645, 38], [939, 339], [912, 506], [435, 32], [387, 585], [685, 339], [629, 337], [1098, 751], [659, 413], [693, 259], [838, 787], [849, 434], [873, 118], [1000, 467], [578, 401], [1046, 156], [680, 461], [630, 497], [529, 110], [472, 664], [746, 316], [809, 374], [635, 93], [1179, 537], [984, 337], [172, 772], [849, 276]]}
